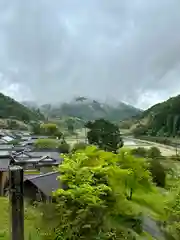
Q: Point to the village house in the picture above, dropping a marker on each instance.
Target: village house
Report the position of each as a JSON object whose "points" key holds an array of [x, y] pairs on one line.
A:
{"points": [[42, 160], [4, 165], [38, 164], [41, 187]]}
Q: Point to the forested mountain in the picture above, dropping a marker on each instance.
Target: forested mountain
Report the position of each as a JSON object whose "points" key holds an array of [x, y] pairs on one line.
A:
{"points": [[162, 119], [88, 109], [9, 108]]}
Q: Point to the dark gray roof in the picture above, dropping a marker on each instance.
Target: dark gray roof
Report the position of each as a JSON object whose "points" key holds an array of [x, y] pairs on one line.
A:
{"points": [[47, 183], [5, 146], [25, 138], [38, 137], [4, 153], [26, 142], [52, 154], [18, 148], [42, 158]]}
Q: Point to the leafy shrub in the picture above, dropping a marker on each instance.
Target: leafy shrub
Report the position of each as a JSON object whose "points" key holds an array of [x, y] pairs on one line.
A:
{"points": [[153, 152], [158, 173], [46, 143], [58, 134], [49, 129], [64, 147], [79, 146], [139, 152]]}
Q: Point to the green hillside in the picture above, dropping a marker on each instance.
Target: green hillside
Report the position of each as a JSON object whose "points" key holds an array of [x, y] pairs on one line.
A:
{"points": [[162, 119], [9, 108], [87, 109]]}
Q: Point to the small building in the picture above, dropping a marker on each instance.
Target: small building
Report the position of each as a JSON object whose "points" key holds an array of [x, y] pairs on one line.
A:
{"points": [[4, 165], [40, 187], [52, 153], [40, 160]]}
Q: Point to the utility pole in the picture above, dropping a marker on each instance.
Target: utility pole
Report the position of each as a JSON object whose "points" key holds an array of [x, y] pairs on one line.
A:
{"points": [[16, 198]]}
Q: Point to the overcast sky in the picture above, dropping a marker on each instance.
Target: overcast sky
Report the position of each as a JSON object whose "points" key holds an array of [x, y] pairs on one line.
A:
{"points": [[53, 50]]}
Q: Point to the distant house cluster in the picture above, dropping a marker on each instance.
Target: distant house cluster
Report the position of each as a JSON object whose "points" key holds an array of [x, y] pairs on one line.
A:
{"points": [[40, 178]]}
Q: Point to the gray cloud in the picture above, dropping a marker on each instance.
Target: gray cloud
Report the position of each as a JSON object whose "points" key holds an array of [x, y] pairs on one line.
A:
{"points": [[52, 50]]}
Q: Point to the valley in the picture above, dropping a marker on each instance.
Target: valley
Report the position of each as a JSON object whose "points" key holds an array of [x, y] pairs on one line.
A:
{"points": [[56, 139]]}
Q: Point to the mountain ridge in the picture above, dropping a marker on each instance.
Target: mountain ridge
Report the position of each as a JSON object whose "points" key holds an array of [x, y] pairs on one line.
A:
{"points": [[90, 109], [161, 119], [10, 108]]}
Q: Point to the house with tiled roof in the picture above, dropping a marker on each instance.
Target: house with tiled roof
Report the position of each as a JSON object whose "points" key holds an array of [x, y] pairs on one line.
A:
{"points": [[41, 187], [43, 161]]}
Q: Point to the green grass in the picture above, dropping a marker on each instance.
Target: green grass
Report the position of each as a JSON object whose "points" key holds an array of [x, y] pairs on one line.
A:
{"points": [[30, 216], [31, 172]]}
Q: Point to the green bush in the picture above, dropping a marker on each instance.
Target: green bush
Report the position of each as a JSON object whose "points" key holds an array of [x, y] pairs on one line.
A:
{"points": [[158, 173], [139, 152], [154, 152], [46, 143], [79, 146], [64, 147]]}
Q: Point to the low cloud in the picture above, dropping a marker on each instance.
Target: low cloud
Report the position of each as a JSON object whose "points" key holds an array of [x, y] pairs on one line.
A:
{"points": [[53, 50]]}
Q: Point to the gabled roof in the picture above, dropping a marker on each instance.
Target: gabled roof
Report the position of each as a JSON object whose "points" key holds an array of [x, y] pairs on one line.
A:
{"points": [[47, 183], [24, 158], [18, 148], [51, 154]]}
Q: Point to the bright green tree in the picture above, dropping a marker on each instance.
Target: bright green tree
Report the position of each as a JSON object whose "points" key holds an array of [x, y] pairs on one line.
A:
{"points": [[97, 200], [172, 223]]}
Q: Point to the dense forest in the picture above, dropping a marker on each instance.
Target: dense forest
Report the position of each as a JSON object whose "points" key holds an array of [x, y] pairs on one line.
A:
{"points": [[9, 108], [162, 119]]}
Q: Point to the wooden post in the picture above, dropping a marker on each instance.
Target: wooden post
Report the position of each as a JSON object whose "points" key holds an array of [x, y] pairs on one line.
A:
{"points": [[16, 198]]}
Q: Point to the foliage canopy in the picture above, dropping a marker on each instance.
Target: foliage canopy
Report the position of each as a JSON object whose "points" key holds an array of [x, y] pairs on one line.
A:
{"points": [[105, 197], [104, 134]]}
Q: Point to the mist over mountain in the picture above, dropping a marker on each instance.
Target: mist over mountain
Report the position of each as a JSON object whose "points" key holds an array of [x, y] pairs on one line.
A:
{"points": [[53, 50], [88, 109]]}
